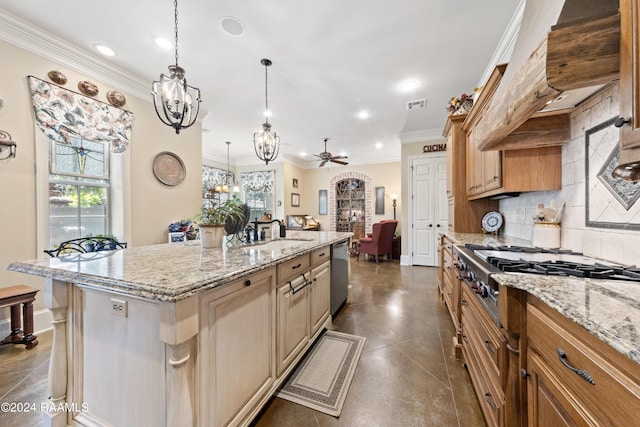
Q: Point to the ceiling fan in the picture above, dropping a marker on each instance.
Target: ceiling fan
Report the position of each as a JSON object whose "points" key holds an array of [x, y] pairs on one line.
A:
{"points": [[325, 156]]}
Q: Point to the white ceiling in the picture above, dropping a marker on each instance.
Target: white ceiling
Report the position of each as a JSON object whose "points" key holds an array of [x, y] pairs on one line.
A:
{"points": [[331, 59]]}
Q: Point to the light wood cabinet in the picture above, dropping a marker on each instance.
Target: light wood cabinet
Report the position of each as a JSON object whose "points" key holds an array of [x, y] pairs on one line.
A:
{"points": [[492, 173], [573, 377], [484, 351], [464, 216], [449, 287], [238, 345]]}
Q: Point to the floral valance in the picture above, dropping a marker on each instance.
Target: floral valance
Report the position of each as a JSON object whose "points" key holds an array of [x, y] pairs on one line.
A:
{"points": [[258, 180], [60, 113], [211, 177]]}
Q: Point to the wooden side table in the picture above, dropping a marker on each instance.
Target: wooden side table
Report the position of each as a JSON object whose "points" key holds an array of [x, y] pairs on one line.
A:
{"points": [[396, 247], [12, 297]]}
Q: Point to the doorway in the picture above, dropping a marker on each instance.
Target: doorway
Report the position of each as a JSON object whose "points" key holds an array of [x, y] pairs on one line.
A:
{"points": [[428, 208]]}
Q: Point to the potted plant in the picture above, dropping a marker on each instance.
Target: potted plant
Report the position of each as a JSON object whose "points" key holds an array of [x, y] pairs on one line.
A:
{"points": [[211, 221]]}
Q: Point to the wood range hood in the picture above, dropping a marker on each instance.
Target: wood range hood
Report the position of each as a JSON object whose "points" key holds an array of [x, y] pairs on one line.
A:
{"points": [[565, 52]]}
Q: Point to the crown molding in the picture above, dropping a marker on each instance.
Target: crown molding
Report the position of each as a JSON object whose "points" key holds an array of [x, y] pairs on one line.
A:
{"points": [[421, 136], [503, 51], [34, 39]]}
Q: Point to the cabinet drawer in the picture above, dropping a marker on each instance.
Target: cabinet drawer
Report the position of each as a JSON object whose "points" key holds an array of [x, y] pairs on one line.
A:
{"points": [[292, 268], [490, 396], [318, 256], [483, 335], [603, 385]]}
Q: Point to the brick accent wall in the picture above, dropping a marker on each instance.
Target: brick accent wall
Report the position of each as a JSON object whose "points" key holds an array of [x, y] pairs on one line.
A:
{"points": [[367, 198]]}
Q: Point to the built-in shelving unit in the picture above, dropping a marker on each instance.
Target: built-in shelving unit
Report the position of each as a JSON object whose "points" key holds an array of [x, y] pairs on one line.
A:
{"points": [[350, 204]]}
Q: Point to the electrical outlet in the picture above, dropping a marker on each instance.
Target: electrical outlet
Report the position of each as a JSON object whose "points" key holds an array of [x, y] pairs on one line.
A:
{"points": [[118, 307]]}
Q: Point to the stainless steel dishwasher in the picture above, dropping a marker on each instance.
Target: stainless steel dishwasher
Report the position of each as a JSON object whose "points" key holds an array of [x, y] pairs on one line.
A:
{"points": [[339, 275]]}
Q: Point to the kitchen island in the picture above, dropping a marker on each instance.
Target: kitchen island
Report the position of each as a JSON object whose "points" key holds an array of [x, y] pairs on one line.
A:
{"points": [[177, 335]]}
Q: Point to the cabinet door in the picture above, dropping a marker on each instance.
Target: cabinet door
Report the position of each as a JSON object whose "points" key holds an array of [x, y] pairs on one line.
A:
{"points": [[293, 320], [450, 154], [320, 296], [473, 166], [237, 348], [630, 73], [492, 170], [547, 398]]}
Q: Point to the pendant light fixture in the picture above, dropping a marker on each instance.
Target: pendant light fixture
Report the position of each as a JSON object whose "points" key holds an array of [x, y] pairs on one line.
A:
{"points": [[177, 104], [229, 177], [266, 143]]}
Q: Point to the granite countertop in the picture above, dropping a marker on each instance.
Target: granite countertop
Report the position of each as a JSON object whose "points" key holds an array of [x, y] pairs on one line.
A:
{"points": [[608, 309], [172, 271]]}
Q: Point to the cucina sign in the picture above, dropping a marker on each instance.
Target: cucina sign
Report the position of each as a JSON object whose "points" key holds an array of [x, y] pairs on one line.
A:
{"points": [[434, 147]]}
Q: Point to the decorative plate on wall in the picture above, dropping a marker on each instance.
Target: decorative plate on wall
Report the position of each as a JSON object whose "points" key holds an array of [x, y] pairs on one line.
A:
{"points": [[168, 168], [57, 77], [88, 88], [116, 98]]}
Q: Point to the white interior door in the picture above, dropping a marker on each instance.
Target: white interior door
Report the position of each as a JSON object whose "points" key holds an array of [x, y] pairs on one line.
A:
{"points": [[429, 207]]}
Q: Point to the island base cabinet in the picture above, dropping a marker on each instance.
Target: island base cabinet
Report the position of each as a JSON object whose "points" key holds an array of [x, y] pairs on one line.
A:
{"points": [[237, 350], [118, 359], [320, 296], [293, 320]]}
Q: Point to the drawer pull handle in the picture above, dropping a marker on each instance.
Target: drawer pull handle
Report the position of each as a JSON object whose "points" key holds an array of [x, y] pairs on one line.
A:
{"points": [[489, 346], [322, 254], [489, 400], [465, 339], [247, 282], [464, 303], [584, 374], [524, 374], [296, 266]]}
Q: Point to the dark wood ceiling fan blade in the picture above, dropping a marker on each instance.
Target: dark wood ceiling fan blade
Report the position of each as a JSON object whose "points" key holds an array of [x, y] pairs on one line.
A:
{"points": [[339, 157], [322, 163], [338, 161]]}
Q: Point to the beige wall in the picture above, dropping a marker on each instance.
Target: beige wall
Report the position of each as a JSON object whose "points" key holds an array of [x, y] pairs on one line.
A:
{"points": [[152, 205], [385, 175]]}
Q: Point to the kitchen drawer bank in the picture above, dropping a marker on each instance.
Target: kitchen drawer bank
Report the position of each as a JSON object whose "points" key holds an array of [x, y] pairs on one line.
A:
{"points": [[170, 334], [598, 317]]}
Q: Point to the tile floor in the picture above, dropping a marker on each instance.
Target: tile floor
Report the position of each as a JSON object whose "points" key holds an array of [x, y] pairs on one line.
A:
{"points": [[406, 375]]}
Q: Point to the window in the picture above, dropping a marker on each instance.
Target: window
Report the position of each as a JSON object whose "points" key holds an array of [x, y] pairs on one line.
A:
{"points": [[259, 192], [79, 189]]}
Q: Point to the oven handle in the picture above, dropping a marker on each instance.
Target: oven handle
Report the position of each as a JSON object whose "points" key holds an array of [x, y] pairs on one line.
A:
{"points": [[464, 302]]}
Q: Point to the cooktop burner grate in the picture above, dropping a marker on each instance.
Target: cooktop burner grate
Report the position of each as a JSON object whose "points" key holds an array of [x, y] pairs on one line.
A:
{"points": [[565, 268]]}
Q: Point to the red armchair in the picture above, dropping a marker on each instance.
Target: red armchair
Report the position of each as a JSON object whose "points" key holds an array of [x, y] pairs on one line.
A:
{"points": [[380, 242]]}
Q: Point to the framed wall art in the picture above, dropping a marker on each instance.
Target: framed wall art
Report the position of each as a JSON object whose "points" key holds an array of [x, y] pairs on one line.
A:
{"points": [[609, 202], [295, 200], [322, 201], [379, 201]]}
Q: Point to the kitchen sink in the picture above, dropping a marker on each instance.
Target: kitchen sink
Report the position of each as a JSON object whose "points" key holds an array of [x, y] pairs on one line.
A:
{"points": [[276, 245]]}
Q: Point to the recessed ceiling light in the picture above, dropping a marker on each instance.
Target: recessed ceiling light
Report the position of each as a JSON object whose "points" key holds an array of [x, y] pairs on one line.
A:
{"points": [[363, 114], [379, 145], [409, 85], [105, 50], [232, 26], [267, 113], [163, 43], [343, 153], [302, 153]]}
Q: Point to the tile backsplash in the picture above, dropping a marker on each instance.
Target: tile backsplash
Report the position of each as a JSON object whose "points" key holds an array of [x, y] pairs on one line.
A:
{"points": [[609, 244]]}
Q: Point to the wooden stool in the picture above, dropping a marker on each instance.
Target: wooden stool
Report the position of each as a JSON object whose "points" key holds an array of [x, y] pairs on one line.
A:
{"points": [[13, 296]]}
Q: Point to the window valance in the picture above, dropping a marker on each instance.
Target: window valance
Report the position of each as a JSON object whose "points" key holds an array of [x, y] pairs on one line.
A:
{"points": [[60, 113], [258, 180], [212, 177]]}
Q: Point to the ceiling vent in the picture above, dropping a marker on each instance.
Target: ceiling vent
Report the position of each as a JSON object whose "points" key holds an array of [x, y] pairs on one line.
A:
{"points": [[414, 105]]}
